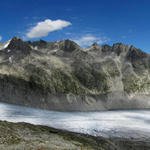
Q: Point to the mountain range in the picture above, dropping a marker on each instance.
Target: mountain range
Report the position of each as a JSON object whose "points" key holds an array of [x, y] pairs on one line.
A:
{"points": [[66, 77]]}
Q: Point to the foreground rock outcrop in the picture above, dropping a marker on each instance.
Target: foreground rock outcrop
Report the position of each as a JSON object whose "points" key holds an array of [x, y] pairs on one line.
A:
{"points": [[19, 136], [63, 76]]}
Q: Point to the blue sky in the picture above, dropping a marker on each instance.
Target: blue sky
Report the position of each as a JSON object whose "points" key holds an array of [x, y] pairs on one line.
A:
{"points": [[84, 21]]}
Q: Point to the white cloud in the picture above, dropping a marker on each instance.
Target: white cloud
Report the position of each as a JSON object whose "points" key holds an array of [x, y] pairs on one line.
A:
{"points": [[44, 28], [89, 40], [0, 38]]}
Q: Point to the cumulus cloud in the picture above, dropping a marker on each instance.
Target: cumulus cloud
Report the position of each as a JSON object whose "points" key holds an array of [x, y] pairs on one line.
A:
{"points": [[0, 38], [89, 40], [44, 28]]}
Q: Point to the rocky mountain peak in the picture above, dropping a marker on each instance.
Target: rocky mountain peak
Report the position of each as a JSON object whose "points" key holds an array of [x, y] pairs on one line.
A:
{"points": [[16, 38], [68, 45], [106, 48], [39, 44], [118, 45], [136, 54], [95, 46], [16, 44], [120, 48]]}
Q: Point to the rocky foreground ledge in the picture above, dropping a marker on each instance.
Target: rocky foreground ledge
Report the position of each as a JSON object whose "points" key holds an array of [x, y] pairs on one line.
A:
{"points": [[23, 136]]}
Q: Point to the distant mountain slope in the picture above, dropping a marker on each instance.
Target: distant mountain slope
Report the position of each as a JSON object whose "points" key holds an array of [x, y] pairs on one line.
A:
{"points": [[63, 76]]}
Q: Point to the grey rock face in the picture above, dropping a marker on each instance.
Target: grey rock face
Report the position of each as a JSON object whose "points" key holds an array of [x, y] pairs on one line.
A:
{"points": [[16, 44], [39, 44], [64, 76], [68, 45]]}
